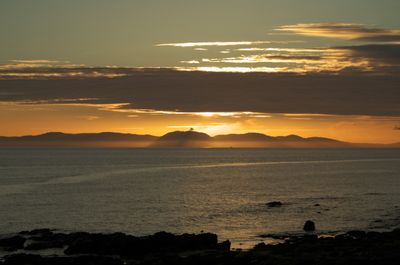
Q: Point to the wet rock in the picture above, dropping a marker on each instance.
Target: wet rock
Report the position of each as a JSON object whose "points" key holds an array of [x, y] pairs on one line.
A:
{"points": [[260, 246], [130, 246], [40, 245], [23, 259], [38, 232], [12, 243], [224, 246], [30, 259], [101, 244], [309, 226], [274, 204], [354, 247], [357, 234]]}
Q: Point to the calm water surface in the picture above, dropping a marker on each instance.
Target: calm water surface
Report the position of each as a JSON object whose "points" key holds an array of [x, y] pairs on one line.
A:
{"points": [[142, 191]]}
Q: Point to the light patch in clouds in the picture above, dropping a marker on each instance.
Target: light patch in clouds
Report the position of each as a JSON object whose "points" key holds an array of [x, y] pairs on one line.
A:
{"points": [[289, 50], [190, 62], [308, 115], [250, 114], [383, 57], [378, 58], [216, 69], [210, 128], [358, 32], [122, 108]]}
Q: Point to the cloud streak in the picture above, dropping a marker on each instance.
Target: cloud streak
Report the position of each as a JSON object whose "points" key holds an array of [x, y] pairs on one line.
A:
{"points": [[378, 58], [213, 43], [357, 32]]}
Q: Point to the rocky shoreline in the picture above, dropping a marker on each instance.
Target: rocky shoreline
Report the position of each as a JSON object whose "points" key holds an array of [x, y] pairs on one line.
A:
{"points": [[48, 247]]}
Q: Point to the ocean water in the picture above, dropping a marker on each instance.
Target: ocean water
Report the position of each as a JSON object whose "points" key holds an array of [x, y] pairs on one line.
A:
{"points": [[225, 191]]}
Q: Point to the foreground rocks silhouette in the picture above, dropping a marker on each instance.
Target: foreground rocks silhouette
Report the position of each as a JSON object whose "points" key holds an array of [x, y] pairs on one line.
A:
{"points": [[354, 247]]}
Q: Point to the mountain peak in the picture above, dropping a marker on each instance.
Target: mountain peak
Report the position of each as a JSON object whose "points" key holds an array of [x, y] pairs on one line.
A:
{"points": [[183, 139], [192, 135]]}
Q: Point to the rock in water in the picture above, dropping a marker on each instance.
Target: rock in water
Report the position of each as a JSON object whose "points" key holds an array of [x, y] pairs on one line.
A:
{"points": [[12, 243], [309, 226], [274, 204]]}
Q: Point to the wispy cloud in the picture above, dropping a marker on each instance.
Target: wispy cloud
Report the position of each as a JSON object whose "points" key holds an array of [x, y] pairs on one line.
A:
{"points": [[233, 69], [213, 43], [191, 62], [32, 69], [358, 32], [382, 56], [378, 58]]}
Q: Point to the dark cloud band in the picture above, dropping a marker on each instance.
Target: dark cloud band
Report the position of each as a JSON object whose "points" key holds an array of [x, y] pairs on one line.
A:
{"points": [[345, 94]]}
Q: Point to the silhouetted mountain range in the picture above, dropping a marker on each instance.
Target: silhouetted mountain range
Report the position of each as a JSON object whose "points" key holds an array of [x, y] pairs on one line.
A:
{"points": [[58, 139], [190, 139]]}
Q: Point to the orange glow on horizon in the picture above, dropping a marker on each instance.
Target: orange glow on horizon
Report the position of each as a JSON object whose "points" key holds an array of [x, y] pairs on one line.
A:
{"points": [[28, 119]]}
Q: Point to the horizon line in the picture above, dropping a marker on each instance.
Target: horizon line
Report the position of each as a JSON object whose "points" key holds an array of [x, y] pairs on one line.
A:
{"points": [[211, 136]]}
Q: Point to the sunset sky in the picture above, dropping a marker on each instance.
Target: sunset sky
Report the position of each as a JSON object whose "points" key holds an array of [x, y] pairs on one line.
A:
{"points": [[306, 67]]}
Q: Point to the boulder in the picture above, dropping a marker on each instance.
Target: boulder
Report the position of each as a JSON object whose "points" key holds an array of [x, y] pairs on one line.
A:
{"points": [[357, 234], [224, 246], [38, 232], [30, 259], [309, 226], [12, 243], [274, 204]]}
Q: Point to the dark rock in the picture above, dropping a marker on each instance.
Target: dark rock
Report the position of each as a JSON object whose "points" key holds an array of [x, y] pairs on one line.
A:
{"points": [[101, 244], [373, 235], [274, 204], [354, 247], [23, 259], [309, 226], [38, 232], [12, 243], [40, 245], [260, 246], [224, 246], [357, 234], [309, 238], [317, 204], [130, 246], [29, 259], [92, 260]]}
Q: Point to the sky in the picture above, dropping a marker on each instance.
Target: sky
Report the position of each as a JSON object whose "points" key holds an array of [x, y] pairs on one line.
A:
{"points": [[312, 68]]}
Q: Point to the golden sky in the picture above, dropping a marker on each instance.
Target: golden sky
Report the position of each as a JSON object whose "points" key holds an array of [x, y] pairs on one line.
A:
{"points": [[23, 119], [334, 75]]}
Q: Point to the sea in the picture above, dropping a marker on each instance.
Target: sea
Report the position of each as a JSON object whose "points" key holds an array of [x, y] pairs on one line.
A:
{"points": [[223, 191]]}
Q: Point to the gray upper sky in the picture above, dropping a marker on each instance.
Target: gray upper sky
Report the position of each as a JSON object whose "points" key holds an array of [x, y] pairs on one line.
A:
{"points": [[124, 33]]}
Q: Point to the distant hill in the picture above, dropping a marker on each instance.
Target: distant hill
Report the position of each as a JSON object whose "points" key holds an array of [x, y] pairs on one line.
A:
{"points": [[262, 140], [58, 139], [247, 137], [181, 139], [395, 145]]}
